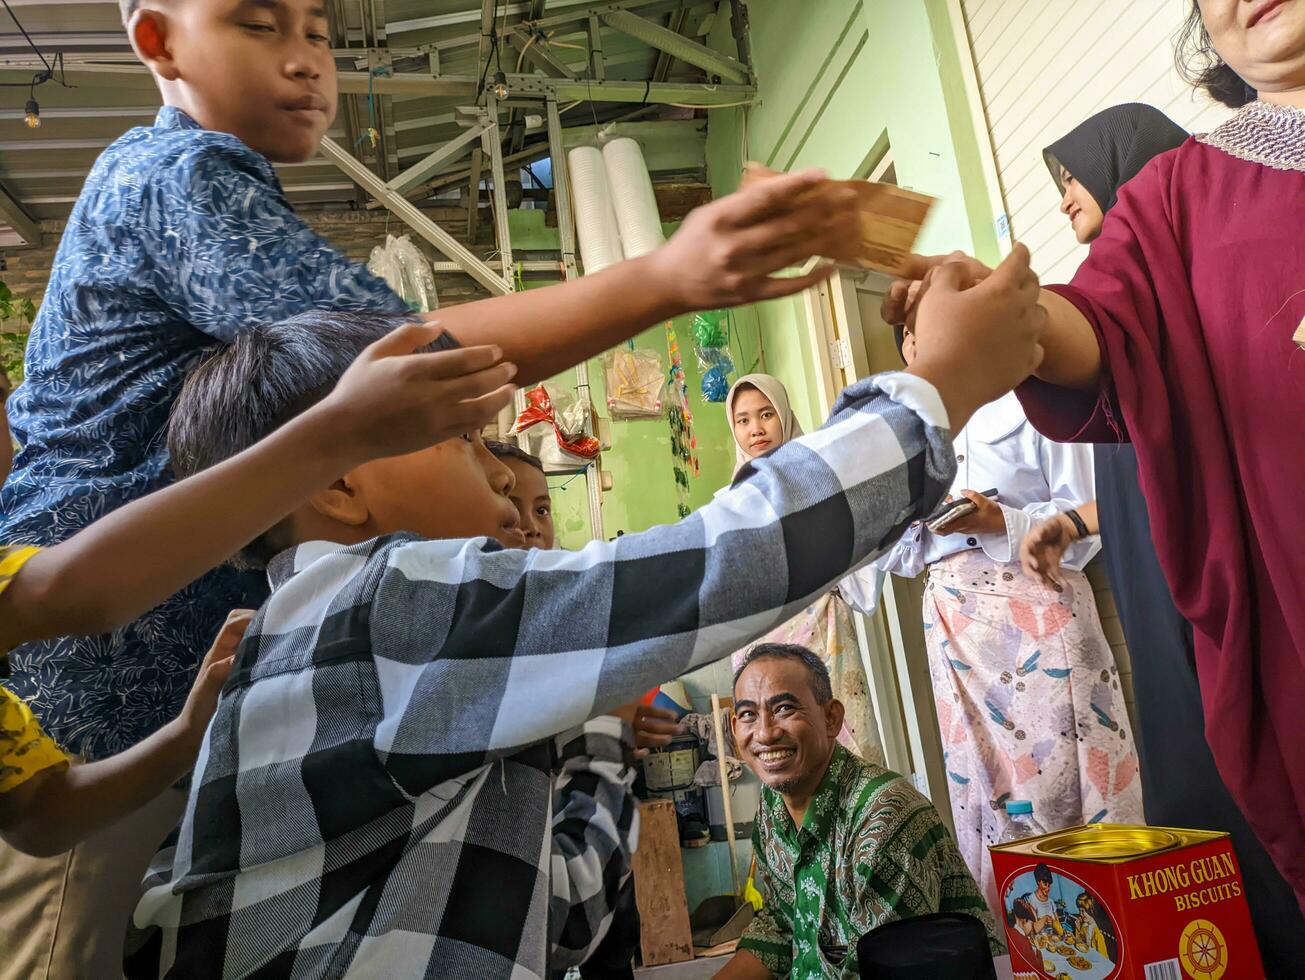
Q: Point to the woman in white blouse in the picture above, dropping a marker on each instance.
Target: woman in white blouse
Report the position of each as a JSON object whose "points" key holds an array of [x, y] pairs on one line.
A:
{"points": [[1028, 698]]}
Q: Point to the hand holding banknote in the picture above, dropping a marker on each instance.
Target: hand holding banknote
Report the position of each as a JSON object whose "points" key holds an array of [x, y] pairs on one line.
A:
{"points": [[890, 222]]}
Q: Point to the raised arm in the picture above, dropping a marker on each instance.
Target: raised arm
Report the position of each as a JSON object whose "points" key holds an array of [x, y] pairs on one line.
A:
{"points": [[62, 805], [390, 401], [725, 254], [1073, 354], [533, 643]]}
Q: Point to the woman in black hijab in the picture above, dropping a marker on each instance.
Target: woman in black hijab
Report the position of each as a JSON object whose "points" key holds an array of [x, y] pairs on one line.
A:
{"points": [[1180, 785]]}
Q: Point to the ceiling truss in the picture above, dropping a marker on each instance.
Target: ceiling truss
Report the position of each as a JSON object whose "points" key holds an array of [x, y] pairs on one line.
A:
{"points": [[418, 113]]}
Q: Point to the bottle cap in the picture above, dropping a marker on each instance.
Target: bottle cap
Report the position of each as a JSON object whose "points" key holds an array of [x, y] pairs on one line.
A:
{"points": [[1017, 808]]}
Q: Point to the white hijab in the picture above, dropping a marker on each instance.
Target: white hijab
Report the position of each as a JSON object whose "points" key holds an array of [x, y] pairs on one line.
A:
{"points": [[777, 395]]}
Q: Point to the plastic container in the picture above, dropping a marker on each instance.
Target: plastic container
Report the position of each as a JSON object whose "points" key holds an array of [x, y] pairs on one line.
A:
{"points": [[1022, 823]]}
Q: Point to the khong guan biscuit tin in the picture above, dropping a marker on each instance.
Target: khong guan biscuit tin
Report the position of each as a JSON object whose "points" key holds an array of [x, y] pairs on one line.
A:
{"points": [[1110, 902]]}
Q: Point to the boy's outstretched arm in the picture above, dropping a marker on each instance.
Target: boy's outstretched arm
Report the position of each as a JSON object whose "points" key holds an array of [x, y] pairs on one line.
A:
{"points": [[725, 254], [391, 401], [60, 806], [533, 643]]}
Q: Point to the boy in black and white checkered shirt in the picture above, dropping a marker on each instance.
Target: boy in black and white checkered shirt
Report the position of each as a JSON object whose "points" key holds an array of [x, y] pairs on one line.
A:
{"points": [[374, 791]]}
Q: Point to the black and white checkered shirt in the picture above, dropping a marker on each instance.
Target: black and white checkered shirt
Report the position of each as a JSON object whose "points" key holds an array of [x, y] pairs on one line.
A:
{"points": [[375, 795]]}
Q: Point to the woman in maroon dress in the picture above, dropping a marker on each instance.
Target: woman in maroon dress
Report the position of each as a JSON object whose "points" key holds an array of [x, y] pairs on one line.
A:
{"points": [[1176, 334]]}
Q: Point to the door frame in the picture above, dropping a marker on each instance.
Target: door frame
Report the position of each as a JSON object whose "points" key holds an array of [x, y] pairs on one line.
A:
{"points": [[892, 640]]}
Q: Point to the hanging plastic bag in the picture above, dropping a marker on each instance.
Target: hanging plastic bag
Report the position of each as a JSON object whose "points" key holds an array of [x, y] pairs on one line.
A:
{"points": [[553, 409], [405, 270], [635, 381], [710, 329], [417, 276], [711, 346]]}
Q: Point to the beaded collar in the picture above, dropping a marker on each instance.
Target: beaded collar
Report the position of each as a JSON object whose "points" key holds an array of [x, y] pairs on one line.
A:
{"points": [[1270, 135]]}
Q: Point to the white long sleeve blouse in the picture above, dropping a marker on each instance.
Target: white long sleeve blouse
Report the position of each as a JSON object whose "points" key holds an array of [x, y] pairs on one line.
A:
{"points": [[1035, 479]]}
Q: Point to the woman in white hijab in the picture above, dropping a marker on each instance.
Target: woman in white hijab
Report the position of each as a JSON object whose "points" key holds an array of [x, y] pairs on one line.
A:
{"points": [[762, 420]]}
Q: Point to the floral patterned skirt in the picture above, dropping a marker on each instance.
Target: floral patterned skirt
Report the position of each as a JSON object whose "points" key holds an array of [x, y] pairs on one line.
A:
{"points": [[1029, 704]]}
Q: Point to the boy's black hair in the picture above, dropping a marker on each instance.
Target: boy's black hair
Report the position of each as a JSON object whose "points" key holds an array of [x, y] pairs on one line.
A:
{"points": [[505, 450], [1042, 873], [816, 669], [251, 388]]}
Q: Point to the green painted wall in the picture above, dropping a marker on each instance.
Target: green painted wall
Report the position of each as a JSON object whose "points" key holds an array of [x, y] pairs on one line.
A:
{"points": [[838, 82], [643, 492]]}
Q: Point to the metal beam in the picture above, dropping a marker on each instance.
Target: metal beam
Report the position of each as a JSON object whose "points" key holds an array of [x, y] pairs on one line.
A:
{"points": [[420, 171], [664, 39], [665, 93], [408, 83], [741, 30], [410, 215], [536, 52], [350, 82], [491, 142], [562, 189], [89, 112], [597, 70], [527, 155], [473, 197], [566, 237], [19, 220], [577, 11], [486, 38], [662, 71]]}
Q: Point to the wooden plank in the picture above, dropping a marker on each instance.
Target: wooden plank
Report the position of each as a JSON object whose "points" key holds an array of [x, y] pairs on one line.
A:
{"points": [[664, 932]]}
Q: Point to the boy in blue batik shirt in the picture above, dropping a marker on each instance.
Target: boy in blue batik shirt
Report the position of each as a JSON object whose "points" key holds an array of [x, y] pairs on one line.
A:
{"points": [[181, 238]]}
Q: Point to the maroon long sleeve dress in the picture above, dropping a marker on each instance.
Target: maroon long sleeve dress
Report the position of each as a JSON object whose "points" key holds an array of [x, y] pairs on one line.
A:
{"points": [[1194, 289]]}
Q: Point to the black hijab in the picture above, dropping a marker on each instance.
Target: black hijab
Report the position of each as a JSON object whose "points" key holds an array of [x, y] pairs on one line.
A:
{"points": [[1107, 150]]}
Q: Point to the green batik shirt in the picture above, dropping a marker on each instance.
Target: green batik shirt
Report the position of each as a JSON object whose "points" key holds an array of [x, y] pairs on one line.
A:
{"points": [[871, 850]]}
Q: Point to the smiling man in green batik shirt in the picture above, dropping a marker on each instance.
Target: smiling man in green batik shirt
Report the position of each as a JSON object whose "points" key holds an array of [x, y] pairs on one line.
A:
{"points": [[842, 846]]}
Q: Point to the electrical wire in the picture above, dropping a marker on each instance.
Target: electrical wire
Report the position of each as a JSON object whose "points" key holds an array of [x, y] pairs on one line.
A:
{"points": [[484, 70], [498, 56]]}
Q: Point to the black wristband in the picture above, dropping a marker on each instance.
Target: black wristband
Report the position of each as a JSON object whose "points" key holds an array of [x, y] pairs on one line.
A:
{"points": [[1077, 521]]}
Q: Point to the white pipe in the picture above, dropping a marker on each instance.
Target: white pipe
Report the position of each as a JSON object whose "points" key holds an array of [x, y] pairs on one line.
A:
{"points": [[595, 221], [633, 197]]}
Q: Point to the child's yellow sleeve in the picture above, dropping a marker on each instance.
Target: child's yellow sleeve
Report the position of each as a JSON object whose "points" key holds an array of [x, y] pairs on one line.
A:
{"points": [[12, 558], [25, 749]]}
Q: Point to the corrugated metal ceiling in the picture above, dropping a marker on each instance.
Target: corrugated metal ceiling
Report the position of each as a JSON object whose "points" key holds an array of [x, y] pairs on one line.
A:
{"points": [[43, 169]]}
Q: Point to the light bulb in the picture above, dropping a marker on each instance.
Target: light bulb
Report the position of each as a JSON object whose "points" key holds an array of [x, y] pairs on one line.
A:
{"points": [[500, 86], [32, 114]]}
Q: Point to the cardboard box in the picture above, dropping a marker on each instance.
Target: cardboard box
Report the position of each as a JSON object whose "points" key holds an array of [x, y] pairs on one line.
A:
{"points": [[1110, 902]]}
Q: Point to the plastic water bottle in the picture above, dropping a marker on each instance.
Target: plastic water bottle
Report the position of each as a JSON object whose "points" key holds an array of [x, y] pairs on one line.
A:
{"points": [[1022, 822]]}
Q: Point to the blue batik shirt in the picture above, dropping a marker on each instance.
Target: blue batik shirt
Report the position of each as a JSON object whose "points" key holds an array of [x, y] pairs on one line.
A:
{"points": [[180, 239]]}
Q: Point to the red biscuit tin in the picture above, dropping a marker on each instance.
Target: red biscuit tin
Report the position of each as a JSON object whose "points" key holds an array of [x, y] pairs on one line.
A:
{"points": [[1110, 902]]}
